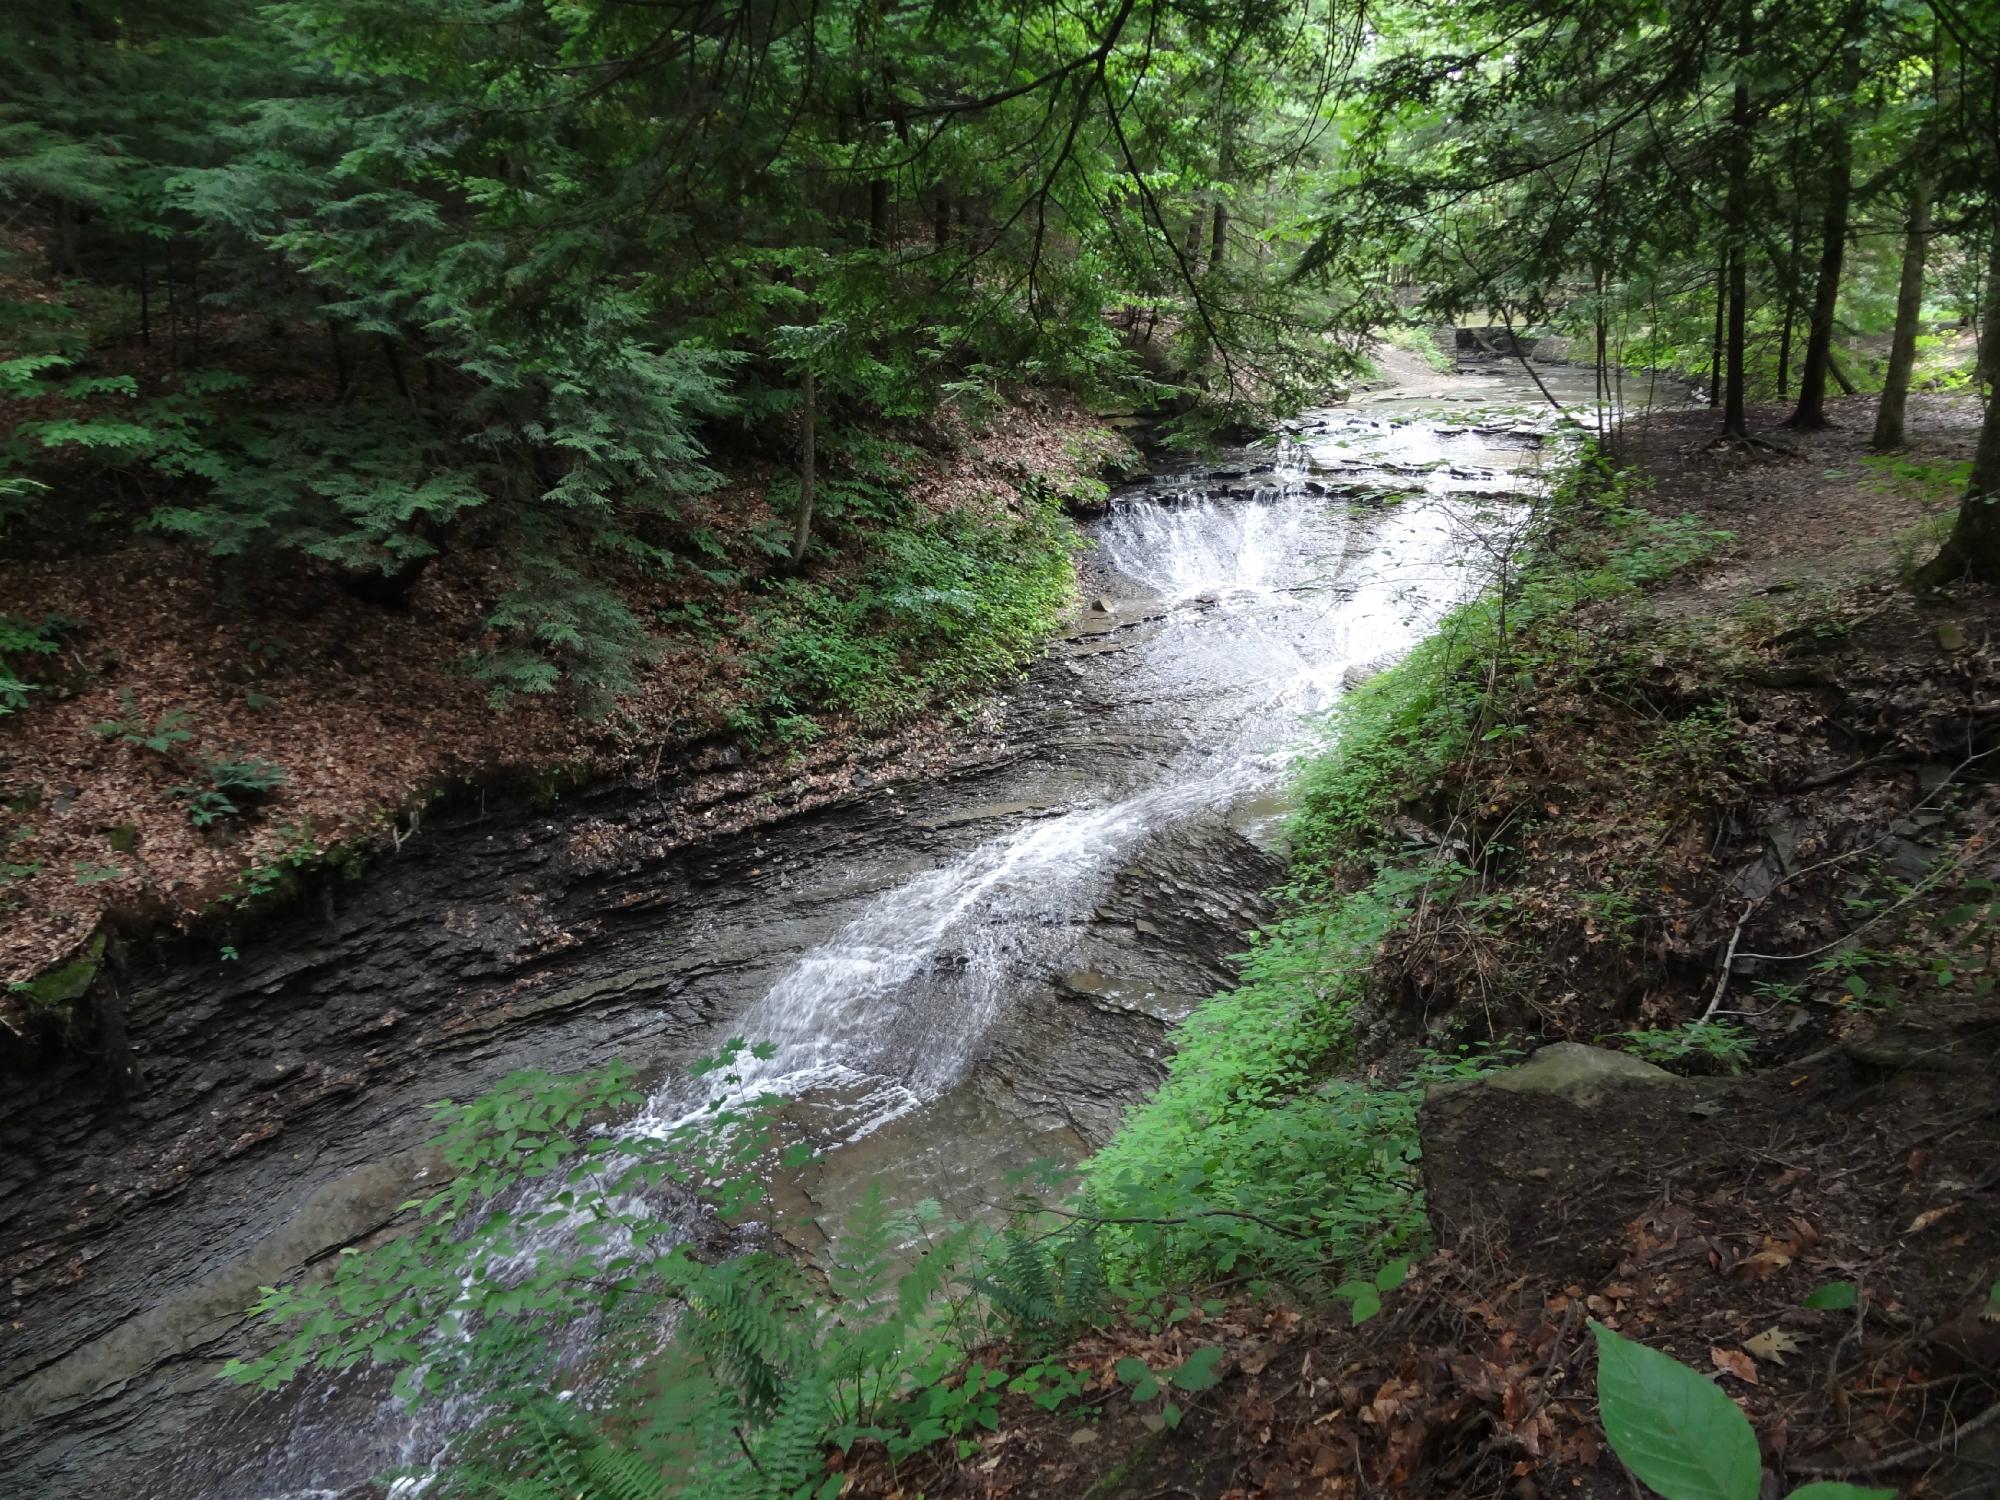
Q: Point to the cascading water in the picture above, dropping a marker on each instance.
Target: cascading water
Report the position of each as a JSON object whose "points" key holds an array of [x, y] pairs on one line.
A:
{"points": [[1234, 603], [1270, 601]]}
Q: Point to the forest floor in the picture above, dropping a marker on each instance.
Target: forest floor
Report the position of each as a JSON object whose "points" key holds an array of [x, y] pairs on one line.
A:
{"points": [[1805, 750], [359, 706]]}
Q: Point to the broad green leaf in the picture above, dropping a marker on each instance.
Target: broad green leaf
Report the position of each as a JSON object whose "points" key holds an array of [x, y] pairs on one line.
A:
{"points": [[1136, 1373], [1197, 1373], [1674, 1429], [1835, 1296], [1835, 1489]]}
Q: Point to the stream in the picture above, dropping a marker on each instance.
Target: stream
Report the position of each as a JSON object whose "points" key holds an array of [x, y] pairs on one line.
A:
{"points": [[962, 974]]}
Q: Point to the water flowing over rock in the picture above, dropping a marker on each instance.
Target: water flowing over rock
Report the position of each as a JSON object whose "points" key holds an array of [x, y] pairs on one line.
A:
{"points": [[961, 975]]}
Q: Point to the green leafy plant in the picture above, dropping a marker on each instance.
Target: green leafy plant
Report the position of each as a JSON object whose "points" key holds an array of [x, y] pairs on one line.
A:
{"points": [[22, 641], [1680, 1434], [10, 867], [1195, 1373], [162, 736], [231, 784], [1716, 1046], [953, 604]]}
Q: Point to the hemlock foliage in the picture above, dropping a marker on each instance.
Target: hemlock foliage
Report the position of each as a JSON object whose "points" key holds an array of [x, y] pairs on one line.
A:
{"points": [[365, 283]]}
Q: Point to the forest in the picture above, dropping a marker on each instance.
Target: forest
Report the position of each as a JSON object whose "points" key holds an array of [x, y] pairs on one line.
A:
{"points": [[420, 413]]}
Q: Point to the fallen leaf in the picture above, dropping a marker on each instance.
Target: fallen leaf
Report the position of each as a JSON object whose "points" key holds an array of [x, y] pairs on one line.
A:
{"points": [[1763, 1263], [1735, 1362], [1929, 1217], [1772, 1345]]}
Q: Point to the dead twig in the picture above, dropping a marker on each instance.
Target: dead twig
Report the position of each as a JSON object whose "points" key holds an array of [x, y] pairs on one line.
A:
{"points": [[1833, 778], [1904, 1457], [1852, 1335], [1728, 962]]}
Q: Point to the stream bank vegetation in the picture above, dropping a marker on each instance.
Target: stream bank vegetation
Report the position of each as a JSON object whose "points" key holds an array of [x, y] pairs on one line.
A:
{"points": [[1573, 812], [657, 374]]}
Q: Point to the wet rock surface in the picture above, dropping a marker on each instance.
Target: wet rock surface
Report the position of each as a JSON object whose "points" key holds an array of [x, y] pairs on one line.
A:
{"points": [[285, 1092], [1116, 822]]}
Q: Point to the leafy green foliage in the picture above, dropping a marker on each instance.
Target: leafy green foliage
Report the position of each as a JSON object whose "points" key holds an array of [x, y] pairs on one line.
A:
{"points": [[1720, 1046], [1194, 1374], [439, 274], [1251, 1156], [1926, 936], [162, 736], [955, 603], [360, 488], [229, 785], [22, 641], [1675, 1429], [1680, 1434]]}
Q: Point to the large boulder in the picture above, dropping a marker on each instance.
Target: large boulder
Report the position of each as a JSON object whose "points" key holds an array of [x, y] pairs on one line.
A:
{"points": [[1552, 1158]]}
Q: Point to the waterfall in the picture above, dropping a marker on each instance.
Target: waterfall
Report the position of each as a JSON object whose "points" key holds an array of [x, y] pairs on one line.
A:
{"points": [[1239, 601]]}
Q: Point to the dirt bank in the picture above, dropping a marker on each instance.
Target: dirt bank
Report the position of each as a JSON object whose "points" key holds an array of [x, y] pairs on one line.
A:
{"points": [[164, 661]]}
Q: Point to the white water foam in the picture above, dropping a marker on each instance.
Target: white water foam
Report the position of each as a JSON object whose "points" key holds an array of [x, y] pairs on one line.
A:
{"points": [[1268, 602]]}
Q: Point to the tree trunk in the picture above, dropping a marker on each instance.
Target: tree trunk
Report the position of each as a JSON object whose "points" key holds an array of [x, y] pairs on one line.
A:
{"points": [[1888, 434], [1810, 414], [941, 218], [1225, 170], [65, 249], [396, 369], [1973, 548], [1735, 406], [1736, 216], [1604, 417], [1191, 242], [878, 213], [343, 377], [802, 524], [1791, 300], [1715, 350], [1986, 371]]}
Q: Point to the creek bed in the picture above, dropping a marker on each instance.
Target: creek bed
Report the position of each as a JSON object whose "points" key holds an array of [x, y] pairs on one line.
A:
{"points": [[961, 975]]}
